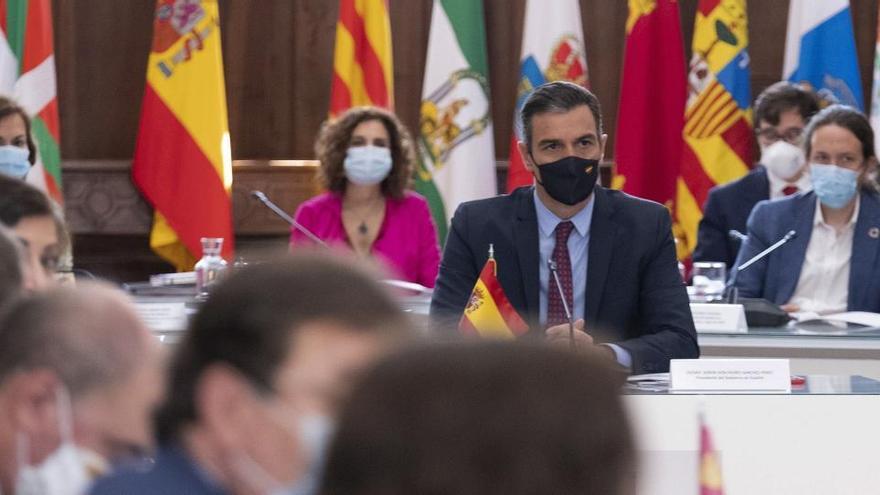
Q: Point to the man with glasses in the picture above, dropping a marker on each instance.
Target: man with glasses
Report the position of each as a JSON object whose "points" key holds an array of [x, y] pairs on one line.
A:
{"points": [[781, 113]]}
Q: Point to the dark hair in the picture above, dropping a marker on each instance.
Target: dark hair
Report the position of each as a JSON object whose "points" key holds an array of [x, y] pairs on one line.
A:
{"points": [[482, 418], [558, 97], [18, 199], [88, 335], [9, 107], [855, 122], [11, 276], [334, 139], [249, 321], [781, 97]]}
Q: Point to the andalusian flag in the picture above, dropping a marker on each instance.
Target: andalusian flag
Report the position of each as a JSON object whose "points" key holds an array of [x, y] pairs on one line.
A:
{"points": [[552, 50], [362, 68], [27, 74], [648, 138], [488, 313], [710, 467], [718, 119], [456, 149], [820, 50], [182, 159]]}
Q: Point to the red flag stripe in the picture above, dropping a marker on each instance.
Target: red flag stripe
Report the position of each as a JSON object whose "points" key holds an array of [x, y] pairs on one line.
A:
{"points": [[517, 174], [739, 138], [364, 54], [703, 99], [514, 321], [38, 35], [341, 100], [695, 176], [49, 114], [191, 195], [721, 117], [700, 120]]}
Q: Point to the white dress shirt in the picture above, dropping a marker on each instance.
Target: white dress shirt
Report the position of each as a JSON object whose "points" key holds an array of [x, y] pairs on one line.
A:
{"points": [[823, 286], [777, 185]]}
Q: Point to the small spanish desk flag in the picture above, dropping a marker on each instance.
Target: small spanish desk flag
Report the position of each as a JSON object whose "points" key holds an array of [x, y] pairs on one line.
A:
{"points": [[488, 313], [710, 468]]}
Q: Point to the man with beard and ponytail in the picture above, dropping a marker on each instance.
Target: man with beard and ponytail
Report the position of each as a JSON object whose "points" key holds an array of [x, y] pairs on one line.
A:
{"points": [[613, 253], [781, 113]]}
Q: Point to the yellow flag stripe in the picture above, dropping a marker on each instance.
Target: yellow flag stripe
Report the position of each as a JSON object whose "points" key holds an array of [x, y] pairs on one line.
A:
{"points": [[487, 318], [688, 214], [347, 68], [195, 92], [720, 162], [378, 31]]}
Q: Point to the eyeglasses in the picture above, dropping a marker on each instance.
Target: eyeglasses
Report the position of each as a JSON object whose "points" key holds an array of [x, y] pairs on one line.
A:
{"points": [[771, 135]]}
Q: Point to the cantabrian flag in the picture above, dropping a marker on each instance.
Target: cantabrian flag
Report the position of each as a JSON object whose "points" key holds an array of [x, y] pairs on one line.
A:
{"points": [[718, 119], [362, 68], [182, 160], [489, 314], [710, 467], [552, 50], [648, 138], [27, 74], [456, 150]]}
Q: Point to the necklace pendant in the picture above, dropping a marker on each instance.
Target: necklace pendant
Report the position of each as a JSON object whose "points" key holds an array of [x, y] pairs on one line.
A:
{"points": [[363, 228]]}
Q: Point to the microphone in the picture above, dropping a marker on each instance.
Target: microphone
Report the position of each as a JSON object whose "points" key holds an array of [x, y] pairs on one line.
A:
{"points": [[736, 235], [259, 195], [552, 265], [733, 292]]}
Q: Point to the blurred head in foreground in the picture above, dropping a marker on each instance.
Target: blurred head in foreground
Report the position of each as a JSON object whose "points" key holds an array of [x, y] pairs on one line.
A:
{"points": [[483, 418]]}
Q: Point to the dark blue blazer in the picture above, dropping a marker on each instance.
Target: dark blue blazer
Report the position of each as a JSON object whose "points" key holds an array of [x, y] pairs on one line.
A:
{"points": [[775, 277], [727, 208], [174, 473], [635, 297]]}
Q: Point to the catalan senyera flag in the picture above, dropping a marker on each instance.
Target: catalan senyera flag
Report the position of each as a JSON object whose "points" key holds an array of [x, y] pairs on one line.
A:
{"points": [[648, 145], [182, 159], [362, 64], [27, 74], [718, 119], [552, 50], [489, 313], [710, 467]]}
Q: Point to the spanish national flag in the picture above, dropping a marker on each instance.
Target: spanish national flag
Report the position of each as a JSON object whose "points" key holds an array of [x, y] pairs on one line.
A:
{"points": [[182, 159], [362, 68], [488, 313]]}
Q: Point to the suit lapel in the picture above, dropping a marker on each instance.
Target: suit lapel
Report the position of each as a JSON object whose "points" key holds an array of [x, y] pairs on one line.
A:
{"points": [[789, 271], [602, 240], [525, 238], [864, 250]]}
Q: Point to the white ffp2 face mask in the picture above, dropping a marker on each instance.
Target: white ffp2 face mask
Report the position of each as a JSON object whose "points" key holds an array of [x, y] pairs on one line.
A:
{"points": [[65, 471], [783, 159]]}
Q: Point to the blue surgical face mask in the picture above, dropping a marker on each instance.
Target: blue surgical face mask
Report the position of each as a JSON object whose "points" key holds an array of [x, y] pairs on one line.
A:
{"points": [[14, 161], [835, 186], [367, 165]]}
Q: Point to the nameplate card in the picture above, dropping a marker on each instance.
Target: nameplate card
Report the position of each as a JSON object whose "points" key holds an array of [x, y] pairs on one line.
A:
{"points": [[719, 318], [163, 316], [729, 375]]}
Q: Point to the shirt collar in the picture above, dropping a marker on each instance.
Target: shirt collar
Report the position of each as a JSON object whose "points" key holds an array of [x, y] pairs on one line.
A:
{"points": [[547, 220], [777, 185], [819, 218]]}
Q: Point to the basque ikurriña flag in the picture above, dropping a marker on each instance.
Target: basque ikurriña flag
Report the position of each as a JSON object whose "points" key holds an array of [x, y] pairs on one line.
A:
{"points": [[27, 74], [182, 160]]}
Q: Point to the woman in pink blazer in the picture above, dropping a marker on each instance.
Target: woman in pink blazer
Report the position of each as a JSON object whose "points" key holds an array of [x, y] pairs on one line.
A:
{"points": [[366, 165]]}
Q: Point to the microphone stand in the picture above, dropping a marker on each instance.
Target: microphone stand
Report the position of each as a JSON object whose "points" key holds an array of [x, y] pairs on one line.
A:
{"points": [[261, 197], [552, 265], [732, 290]]}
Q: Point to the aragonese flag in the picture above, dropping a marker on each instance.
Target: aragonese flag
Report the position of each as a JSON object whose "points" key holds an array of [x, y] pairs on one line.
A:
{"points": [[552, 50], [362, 66], [182, 160], [718, 119], [27, 75], [456, 149]]}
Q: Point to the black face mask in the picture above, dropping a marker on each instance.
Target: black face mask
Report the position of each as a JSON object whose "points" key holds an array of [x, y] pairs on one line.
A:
{"points": [[569, 180]]}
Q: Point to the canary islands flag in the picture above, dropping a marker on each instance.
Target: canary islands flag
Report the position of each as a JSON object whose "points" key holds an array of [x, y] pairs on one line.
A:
{"points": [[489, 312]]}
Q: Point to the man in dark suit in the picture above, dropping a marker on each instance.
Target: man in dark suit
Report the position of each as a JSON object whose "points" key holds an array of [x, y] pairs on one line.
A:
{"points": [[781, 112], [613, 253]]}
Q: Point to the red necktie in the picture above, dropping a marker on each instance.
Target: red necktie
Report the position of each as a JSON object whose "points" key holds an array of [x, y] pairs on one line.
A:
{"points": [[789, 190], [555, 309]]}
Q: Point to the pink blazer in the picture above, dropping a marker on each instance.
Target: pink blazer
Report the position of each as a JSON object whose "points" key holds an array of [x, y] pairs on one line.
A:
{"points": [[407, 240]]}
